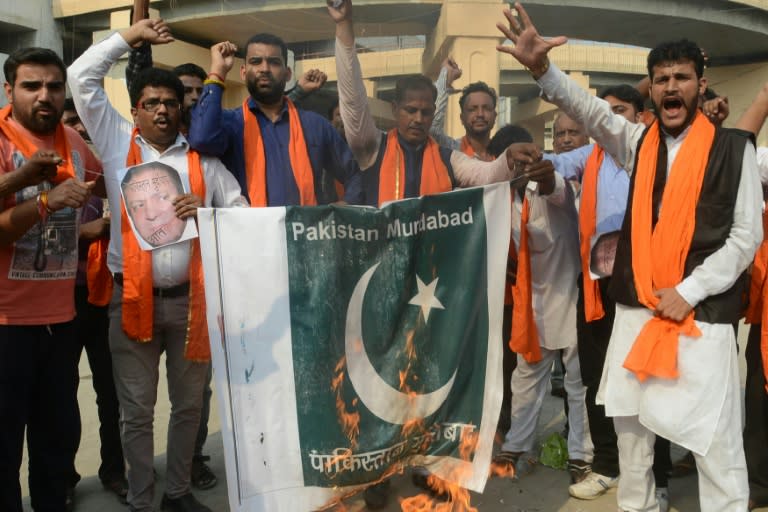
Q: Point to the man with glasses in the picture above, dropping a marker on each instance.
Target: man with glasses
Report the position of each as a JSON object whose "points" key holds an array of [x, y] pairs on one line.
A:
{"points": [[158, 302]]}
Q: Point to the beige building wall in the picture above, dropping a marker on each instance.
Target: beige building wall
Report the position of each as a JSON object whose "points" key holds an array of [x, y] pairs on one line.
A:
{"points": [[740, 84]]}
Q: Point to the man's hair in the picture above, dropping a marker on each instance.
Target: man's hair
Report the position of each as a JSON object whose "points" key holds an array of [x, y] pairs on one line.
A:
{"points": [[477, 87], [625, 93], [271, 40], [69, 104], [332, 108], [710, 94], [172, 174], [155, 77], [414, 83], [677, 51], [32, 55], [507, 135], [190, 69]]}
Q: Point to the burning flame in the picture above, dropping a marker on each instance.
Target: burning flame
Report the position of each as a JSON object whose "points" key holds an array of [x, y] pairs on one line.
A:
{"points": [[452, 497], [349, 420]]}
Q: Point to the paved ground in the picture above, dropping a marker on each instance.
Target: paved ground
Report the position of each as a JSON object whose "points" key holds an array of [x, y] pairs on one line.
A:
{"points": [[545, 490]]}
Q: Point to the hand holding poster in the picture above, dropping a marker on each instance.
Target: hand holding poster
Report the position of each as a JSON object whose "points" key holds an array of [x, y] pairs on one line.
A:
{"points": [[351, 342], [148, 192]]}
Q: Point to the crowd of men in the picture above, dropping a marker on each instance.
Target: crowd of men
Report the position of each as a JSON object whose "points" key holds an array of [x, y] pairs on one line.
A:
{"points": [[637, 302]]}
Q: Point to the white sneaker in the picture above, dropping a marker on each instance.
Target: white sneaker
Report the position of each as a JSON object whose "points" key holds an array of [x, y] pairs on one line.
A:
{"points": [[593, 486], [662, 497]]}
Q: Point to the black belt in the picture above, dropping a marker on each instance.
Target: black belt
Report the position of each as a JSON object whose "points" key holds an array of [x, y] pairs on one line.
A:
{"points": [[180, 290]]}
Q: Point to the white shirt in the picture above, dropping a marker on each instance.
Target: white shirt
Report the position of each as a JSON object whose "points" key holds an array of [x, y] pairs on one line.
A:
{"points": [[111, 134], [553, 244]]}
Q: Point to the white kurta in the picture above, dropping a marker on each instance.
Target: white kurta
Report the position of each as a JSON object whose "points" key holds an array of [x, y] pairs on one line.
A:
{"points": [[685, 410], [553, 240]]}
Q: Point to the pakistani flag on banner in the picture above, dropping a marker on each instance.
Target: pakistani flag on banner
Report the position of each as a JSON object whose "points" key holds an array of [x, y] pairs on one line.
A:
{"points": [[350, 342]]}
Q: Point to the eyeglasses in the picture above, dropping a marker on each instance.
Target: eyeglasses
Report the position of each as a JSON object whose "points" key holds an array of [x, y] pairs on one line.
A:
{"points": [[153, 105]]}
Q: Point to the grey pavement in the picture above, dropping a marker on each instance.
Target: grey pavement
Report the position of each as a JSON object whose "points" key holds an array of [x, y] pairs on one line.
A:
{"points": [[544, 490]]}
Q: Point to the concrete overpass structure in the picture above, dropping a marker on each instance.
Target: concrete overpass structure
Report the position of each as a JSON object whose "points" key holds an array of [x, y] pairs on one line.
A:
{"points": [[423, 32]]}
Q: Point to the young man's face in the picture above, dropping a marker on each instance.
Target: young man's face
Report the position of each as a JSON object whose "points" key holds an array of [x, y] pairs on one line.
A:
{"points": [[157, 115], [149, 199], [265, 72], [675, 91], [478, 115], [193, 88], [623, 108], [37, 97], [414, 115], [568, 135], [72, 119]]}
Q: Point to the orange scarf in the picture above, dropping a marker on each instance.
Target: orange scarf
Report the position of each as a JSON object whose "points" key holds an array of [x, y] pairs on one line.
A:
{"points": [[593, 302], [468, 150], [659, 254], [434, 174], [757, 313], [138, 307], [256, 160], [98, 276], [66, 168], [524, 338]]}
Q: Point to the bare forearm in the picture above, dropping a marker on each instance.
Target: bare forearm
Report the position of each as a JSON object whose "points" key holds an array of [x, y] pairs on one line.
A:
{"points": [[10, 183], [16, 221], [753, 118], [345, 32]]}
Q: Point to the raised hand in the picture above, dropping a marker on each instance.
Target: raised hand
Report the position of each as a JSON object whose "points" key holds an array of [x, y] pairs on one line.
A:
{"points": [[340, 10], [543, 173], [222, 58], [530, 49], [454, 71], [716, 109], [151, 31], [312, 80]]}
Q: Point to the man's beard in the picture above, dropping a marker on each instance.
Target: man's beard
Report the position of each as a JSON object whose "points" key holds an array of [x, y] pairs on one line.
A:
{"points": [[267, 96]]}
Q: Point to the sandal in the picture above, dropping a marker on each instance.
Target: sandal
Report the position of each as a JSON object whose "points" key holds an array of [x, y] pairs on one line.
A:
{"points": [[523, 463], [202, 477]]}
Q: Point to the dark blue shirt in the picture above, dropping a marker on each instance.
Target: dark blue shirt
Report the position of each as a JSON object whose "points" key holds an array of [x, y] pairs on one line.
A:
{"points": [[219, 132], [414, 156]]}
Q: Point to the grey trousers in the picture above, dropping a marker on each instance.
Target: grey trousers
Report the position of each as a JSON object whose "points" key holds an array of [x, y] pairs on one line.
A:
{"points": [[136, 371]]}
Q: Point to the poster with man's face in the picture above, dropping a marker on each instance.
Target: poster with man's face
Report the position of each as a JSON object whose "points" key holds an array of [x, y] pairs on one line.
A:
{"points": [[148, 191]]}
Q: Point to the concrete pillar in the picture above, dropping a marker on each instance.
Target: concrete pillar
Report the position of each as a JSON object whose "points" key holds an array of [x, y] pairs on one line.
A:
{"points": [[465, 32]]}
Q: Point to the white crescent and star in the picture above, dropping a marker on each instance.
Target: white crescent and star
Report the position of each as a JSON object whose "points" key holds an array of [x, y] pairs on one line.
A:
{"points": [[379, 397]]}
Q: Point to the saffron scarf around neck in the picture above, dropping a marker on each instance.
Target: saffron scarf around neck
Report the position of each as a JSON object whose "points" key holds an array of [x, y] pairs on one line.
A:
{"points": [[593, 302], [467, 149], [524, 338], [138, 299], [66, 168], [256, 160], [757, 313], [434, 173], [659, 253]]}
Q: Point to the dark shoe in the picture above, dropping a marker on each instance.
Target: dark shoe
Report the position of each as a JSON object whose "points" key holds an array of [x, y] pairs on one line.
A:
{"points": [[515, 464], [578, 469], [69, 499], [202, 477], [753, 504], [683, 467], [377, 495], [186, 503], [558, 391], [118, 487]]}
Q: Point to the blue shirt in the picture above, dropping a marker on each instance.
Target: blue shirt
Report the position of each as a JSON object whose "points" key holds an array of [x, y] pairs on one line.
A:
{"points": [[219, 132], [612, 185]]}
